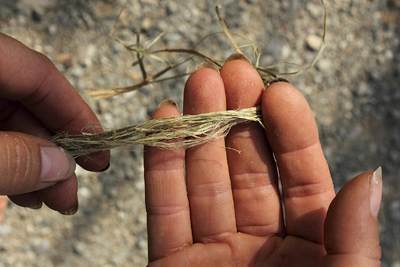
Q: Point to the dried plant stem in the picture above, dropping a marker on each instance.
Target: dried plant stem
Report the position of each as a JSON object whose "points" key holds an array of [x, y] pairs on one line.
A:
{"points": [[188, 51], [185, 131], [149, 79], [225, 28], [267, 73]]}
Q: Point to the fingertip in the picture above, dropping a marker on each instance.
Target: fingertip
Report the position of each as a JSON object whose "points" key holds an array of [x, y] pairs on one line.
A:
{"points": [[237, 56], [167, 108], [156, 158], [290, 124], [71, 211], [97, 162], [28, 200], [279, 93], [376, 187], [62, 196], [168, 102], [154, 155], [243, 84], [204, 92], [209, 65], [350, 228]]}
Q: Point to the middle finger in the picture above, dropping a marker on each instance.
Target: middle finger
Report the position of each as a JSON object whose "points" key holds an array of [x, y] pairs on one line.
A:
{"points": [[207, 175], [253, 171]]}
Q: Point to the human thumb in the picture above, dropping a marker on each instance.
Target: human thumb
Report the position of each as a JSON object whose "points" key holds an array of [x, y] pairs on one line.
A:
{"points": [[29, 163], [351, 225]]}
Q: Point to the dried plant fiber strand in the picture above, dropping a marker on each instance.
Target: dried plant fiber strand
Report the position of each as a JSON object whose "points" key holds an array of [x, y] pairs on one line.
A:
{"points": [[185, 131]]}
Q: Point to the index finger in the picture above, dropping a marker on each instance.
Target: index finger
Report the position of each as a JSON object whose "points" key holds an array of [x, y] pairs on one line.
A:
{"points": [[31, 79]]}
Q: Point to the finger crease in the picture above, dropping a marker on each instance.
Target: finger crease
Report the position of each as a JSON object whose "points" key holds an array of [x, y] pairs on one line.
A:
{"points": [[308, 190], [167, 210]]}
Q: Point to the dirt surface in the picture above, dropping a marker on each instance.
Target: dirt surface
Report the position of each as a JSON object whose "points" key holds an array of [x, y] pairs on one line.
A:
{"points": [[354, 92]]}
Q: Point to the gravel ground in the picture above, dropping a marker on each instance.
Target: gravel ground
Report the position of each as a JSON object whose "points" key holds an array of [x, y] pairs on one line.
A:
{"points": [[354, 92]]}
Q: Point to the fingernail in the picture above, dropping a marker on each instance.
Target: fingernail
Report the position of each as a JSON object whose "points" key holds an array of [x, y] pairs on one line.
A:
{"points": [[57, 164], [71, 211], [168, 102], [275, 81], [105, 168], [36, 206], [375, 187], [236, 57], [209, 65]]}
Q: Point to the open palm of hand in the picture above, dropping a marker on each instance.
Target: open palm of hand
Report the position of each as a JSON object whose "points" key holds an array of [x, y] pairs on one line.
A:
{"points": [[227, 210]]}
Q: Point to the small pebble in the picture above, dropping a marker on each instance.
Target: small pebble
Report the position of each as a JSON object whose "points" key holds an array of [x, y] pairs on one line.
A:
{"points": [[313, 41]]}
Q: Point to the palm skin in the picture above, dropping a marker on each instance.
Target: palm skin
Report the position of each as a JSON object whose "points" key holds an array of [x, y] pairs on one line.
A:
{"points": [[228, 211]]}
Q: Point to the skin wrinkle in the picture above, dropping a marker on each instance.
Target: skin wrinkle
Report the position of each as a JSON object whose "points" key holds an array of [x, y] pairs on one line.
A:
{"points": [[172, 249], [168, 210], [31, 76], [252, 183], [32, 99], [217, 189], [217, 238], [7, 170], [16, 167], [22, 150], [245, 228], [65, 124], [208, 162], [18, 161], [307, 147], [309, 183], [302, 191], [257, 228], [166, 168], [307, 189], [175, 249], [257, 196], [165, 175], [36, 98], [263, 224]]}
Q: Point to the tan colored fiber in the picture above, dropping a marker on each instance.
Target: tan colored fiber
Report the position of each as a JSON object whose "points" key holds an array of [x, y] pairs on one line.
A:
{"points": [[186, 131]]}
